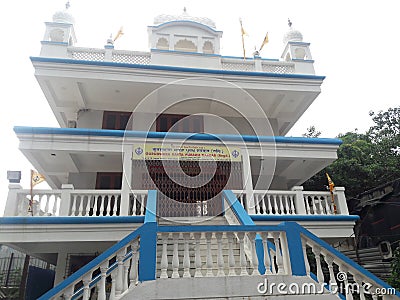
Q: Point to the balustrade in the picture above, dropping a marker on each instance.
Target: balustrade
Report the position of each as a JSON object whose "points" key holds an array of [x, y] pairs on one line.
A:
{"points": [[70, 202], [295, 202], [217, 254], [120, 267], [338, 275]]}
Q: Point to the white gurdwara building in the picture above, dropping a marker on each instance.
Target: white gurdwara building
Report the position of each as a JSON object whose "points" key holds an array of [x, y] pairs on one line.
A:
{"points": [[171, 174]]}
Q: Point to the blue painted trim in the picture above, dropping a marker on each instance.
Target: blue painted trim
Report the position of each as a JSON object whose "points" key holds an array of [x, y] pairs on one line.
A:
{"points": [[148, 252], [176, 135], [237, 57], [185, 21], [340, 255], [237, 208], [171, 68], [297, 218], [295, 250], [151, 207], [228, 228], [54, 43], [183, 52], [70, 220], [95, 262], [303, 60], [299, 43]]}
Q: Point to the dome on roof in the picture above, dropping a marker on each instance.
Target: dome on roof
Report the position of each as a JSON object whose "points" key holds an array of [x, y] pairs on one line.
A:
{"points": [[184, 17], [292, 35], [63, 16]]}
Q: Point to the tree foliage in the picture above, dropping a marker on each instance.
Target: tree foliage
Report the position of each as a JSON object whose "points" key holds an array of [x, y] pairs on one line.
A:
{"points": [[365, 160]]}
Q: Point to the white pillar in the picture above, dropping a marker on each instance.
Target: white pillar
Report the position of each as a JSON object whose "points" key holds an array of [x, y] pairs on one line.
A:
{"points": [[11, 208], [65, 199], [60, 267], [248, 183], [341, 203], [299, 201], [126, 181]]}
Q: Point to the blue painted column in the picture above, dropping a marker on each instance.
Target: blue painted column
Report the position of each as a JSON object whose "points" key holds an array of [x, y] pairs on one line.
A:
{"points": [[295, 249], [148, 240]]}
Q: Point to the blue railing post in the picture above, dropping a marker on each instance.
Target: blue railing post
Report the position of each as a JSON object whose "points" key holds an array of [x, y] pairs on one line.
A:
{"points": [[295, 249], [148, 240]]}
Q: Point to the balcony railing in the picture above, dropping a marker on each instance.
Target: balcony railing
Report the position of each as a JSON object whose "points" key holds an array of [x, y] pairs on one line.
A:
{"points": [[144, 58], [91, 203], [294, 202], [70, 202]]}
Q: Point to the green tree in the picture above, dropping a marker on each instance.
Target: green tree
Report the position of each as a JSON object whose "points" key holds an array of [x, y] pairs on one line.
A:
{"points": [[365, 160], [394, 279]]}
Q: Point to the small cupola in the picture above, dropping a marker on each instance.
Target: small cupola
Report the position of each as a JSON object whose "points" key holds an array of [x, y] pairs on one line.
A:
{"points": [[59, 33], [184, 33]]}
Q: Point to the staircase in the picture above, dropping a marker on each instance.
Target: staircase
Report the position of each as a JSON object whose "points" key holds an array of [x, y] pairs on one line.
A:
{"points": [[214, 260], [372, 260]]}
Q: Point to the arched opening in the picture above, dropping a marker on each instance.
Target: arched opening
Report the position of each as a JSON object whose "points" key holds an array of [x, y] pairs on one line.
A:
{"points": [[162, 43], [208, 47], [185, 45]]}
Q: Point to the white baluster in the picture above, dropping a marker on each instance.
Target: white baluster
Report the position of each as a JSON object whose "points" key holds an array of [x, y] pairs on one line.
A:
{"points": [[126, 275], [102, 282], [231, 257], [307, 263], [197, 258], [270, 205], [69, 292], [321, 207], [254, 257], [164, 256], [133, 274], [314, 207], [256, 204], [349, 295], [209, 260], [120, 273], [307, 204], [267, 259], [175, 257], [86, 290], [54, 208], [358, 281], [276, 206], [262, 201], [292, 208], [80, 209], [317, 253], [329, 261], [46, 207], [114, 275], [102, 199], [220, 258], [87, 208], [242, 254], [96, 201], [278, 254], [142, 204], [115, 207], [186, 255], [281, 206]]}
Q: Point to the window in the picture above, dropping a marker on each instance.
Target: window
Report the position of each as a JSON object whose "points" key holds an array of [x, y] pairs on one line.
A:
{"points": [[179, 123], [116, 120]]}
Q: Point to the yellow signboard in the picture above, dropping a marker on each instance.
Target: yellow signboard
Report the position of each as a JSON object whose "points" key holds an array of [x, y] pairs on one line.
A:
{"points": [[185, 152]]}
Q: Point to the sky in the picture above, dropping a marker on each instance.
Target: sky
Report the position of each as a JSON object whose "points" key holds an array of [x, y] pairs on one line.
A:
{"points": [[354, 44]]}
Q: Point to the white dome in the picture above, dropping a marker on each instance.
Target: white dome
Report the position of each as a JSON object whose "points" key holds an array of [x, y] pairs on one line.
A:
{"points": [[63, 16], [292, 35], [184, 17]]}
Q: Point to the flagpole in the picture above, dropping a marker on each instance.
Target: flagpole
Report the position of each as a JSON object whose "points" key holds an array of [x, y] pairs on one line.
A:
{"points": [[31, 199], [243, 33]]}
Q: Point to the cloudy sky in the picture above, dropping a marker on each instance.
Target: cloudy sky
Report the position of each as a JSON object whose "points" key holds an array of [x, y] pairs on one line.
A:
{"points": [[354, 44]]}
